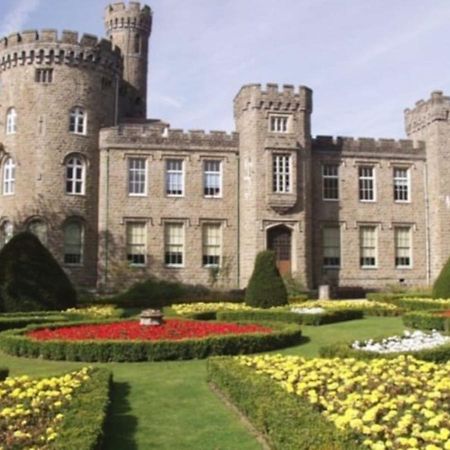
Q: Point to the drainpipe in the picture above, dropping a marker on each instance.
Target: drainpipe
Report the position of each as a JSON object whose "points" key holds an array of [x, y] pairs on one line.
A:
{"points": [[238, 221], [427, 224]]}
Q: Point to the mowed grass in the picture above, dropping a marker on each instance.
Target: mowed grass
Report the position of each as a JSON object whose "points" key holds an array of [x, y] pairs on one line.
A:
{"points": [[168, 405]]}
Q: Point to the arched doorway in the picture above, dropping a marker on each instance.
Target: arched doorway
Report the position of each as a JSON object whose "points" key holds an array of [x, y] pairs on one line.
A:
{"points": [[279, 240]]}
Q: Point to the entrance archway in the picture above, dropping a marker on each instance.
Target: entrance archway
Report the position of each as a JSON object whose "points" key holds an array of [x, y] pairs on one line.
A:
{"points": [[279, 240]]}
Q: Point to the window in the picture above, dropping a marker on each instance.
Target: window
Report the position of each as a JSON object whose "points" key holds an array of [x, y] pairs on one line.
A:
{"points": [[174, 177], [366, 184], [278, 124], [281, 174], [211, 244], [212, 182], [44, 75], [9, 177], [39, 229], [78, 121], [11, 121], [174, 244], [401, 184], [368, 246], [402, 247], [331, 247], [73, 243], [330, 182], [136, 243], [137, 169], [6, 233], [137, 43], [75, 175]]}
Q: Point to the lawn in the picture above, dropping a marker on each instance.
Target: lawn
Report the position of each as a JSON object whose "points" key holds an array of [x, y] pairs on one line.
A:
{"points": [[168, 405]]}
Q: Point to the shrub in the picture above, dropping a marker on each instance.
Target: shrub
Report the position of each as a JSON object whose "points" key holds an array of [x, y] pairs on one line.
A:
{"points": [[265, 288], [3, 373], [427, 320], [287, 422], [391, 297], [7, 323], [15, 342], [441, 286], [31, 279]]}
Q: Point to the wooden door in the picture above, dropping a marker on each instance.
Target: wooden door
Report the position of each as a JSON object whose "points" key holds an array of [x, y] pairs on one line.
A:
{"points": [[279, 241]]}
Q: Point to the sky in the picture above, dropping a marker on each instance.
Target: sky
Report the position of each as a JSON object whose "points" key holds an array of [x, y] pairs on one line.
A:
{"points": [[366, 60]]}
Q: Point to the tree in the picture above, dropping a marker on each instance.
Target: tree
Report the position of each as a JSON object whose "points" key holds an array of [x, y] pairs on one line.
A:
{"points": [[265, 288], [441, 287], [31, 279]]}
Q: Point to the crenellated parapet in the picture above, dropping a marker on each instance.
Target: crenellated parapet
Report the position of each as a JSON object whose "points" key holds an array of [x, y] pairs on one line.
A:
{"points": [[157, 136], [436, 108], [46, 47], [368, 146], [283, 98], [131, 15]]}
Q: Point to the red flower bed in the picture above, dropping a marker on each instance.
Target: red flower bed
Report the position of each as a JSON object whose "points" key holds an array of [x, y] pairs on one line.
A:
{"points": [[132, 330]]}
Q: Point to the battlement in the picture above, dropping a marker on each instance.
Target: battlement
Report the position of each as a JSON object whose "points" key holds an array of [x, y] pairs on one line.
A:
{"points": [[47, 47], [273, 97], [368, 145], [436, 108], [158, 134], [131, 15]]}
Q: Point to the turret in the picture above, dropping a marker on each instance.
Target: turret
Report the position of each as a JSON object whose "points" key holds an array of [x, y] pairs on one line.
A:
{"points": [[129, 27]]}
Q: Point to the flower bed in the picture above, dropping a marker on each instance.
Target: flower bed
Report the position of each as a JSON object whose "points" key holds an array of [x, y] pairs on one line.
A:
{"points": [[428, 320], [402, 403], [59, 412], [370, 308], [417, 303], [116, 341]]}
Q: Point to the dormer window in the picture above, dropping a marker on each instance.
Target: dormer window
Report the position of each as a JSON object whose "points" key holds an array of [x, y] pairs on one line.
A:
{"points": [[78, 121], [278, 124]]}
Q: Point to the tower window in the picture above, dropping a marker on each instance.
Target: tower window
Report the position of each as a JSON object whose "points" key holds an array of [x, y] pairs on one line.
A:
{"points": [[278, 124], [6, 233], [281, 173], [44, 76], [39, 229], [212, 180], [75, 175], [11, 121], [9, 177], [137, 43], [73, 243], [78, 121]]}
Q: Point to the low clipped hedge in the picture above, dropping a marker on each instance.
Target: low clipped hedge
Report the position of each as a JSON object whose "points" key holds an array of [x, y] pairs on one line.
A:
{"points": [[391, 296], [8, 322], [286, 421], [4, 372], [84, 421], [290, 317], [427, 320], [15, 342], [438, 354]]}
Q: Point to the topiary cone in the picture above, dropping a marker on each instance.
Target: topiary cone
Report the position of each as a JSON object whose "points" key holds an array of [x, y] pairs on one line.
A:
{"points": [[441, 286]]}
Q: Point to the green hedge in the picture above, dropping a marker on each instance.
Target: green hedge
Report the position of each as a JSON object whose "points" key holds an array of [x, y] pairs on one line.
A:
{"points": [[438, 354], [390, 296], [290, 317], [14, 342], [4, 372], [7, 323], [84, 421], [286, 421], [426, 320]]}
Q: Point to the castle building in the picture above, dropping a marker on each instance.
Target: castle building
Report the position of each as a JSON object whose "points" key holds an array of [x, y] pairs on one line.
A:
{"points": [[109, 191]]}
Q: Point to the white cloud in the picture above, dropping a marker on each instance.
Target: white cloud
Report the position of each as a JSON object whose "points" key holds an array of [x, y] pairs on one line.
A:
{"points": [[17, 16]]}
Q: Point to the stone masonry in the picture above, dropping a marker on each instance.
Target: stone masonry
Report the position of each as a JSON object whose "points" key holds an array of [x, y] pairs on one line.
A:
{"points": [[64, 98]]}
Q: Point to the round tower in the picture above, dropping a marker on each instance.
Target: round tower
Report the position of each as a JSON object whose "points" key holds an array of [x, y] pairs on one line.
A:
{"points": [[129, 27], [57, 92]]}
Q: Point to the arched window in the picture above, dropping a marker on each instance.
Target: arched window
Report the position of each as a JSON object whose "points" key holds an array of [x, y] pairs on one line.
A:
{"points": [[11, 121], [6, 232], [73, 242], [9, 177], [137, 43], [75, 175], [39, 228], [78, 121]]}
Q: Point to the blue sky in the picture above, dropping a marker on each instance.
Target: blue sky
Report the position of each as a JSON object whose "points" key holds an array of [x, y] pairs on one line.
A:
{"points": [[366, 60]]}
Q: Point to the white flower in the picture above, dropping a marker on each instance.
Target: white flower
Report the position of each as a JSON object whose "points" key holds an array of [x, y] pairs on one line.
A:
{"points": [[308, 310]]}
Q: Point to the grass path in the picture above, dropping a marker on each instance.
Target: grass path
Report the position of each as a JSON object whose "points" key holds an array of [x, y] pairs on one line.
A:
{"points": [[168, 405]]}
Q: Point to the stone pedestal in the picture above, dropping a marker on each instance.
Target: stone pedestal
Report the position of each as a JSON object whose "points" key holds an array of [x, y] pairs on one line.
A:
{"points": [[324, 292], [151, 317]]}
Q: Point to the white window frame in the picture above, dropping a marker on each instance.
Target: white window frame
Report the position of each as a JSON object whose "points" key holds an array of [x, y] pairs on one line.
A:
{"points": [[363, 248], [215, 247], [11, 121], [78, 121], [6, 232], [402, 185], [9, 177], [332, 178], [70, 246], [281, 173], [74, 163], [171, 245], [207, 172], [130, 246], [331, 247], [134, 173], [172, 172], [363, 184], [399, 248], [279, 123]]}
